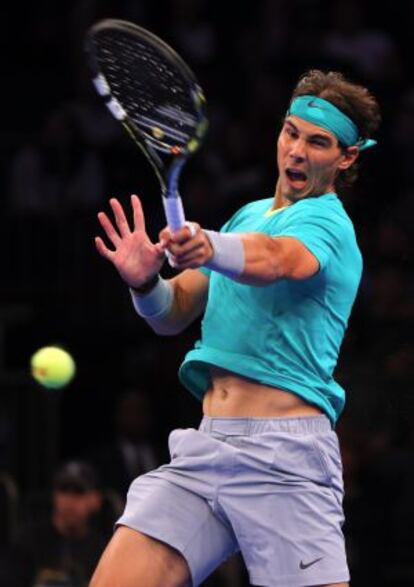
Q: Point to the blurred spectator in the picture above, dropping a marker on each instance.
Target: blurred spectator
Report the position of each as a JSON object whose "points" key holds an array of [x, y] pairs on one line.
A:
{"points": [[386, 513], [9, 497], [58, 171], [236, 171], [402, 136], [62, 548], [132, 452], [370, 52], [390, 301], [192, 32]]}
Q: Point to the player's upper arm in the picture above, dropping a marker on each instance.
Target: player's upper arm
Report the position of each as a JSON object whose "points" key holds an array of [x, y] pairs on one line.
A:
{"points": [[295, 260], [190, 296], [309, 238]]}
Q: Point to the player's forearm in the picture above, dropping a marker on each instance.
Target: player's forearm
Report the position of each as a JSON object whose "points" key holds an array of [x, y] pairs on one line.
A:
{"points": [[166, 326], [258, 259], [156, 306], [251, 258], [169, 307], [264, 260]]}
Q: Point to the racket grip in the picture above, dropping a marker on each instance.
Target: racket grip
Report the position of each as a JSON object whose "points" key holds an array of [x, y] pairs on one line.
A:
{"points": [[174, 211]]}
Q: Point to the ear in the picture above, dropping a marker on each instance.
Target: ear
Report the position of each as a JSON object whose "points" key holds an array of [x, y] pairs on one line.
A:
{"points": [[349, 156]]}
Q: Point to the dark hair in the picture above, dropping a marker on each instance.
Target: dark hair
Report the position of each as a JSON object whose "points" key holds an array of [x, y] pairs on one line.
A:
{"points": [[76, 477], [352, 99]]}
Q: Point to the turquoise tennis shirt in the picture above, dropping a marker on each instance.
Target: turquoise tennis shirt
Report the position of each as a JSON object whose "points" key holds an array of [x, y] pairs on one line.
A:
{"points": [[286, 334]]}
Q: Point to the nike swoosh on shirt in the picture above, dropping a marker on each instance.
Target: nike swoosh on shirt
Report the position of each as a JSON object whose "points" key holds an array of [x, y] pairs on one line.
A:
{"points": [[303, 565]]}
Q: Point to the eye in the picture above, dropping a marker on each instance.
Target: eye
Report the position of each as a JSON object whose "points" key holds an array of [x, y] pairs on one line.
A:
{"points": [[290, 131], [319, 143]]}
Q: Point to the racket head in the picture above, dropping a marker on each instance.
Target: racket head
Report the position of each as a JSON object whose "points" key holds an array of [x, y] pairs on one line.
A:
{"points": [[147, 86]]}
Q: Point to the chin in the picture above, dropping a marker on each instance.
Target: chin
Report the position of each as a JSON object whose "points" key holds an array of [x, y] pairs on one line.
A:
{"points": [[307, 191], [295, 195]]}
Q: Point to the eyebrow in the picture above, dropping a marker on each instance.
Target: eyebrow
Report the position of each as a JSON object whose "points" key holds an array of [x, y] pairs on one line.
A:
{"points": [[325, 138]]}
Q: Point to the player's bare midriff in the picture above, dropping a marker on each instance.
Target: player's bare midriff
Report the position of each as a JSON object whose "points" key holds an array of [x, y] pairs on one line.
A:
{"points": [[234, 396]]}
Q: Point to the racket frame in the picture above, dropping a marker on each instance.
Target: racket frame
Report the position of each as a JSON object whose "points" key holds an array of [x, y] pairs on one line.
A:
{"points": [[149, 145]]}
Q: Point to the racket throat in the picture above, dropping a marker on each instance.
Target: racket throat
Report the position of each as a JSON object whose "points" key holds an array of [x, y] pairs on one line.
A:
{"points": [[173, 174]]}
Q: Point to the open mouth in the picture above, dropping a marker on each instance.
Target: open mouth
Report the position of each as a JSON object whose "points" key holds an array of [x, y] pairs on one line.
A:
{"points": [[295, 175]]}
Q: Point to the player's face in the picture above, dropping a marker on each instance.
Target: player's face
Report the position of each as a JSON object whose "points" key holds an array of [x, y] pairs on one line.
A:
{"points": [[309, 159]]}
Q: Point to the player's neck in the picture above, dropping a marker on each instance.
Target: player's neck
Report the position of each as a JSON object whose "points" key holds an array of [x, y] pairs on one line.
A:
{"points": [[279, 201]]}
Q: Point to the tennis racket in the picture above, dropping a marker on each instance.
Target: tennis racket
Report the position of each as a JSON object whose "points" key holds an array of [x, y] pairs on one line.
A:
{"points": [[153, 93]]}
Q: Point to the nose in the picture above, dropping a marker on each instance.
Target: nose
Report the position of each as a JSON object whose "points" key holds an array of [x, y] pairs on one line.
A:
{"points": [[298, 150]]}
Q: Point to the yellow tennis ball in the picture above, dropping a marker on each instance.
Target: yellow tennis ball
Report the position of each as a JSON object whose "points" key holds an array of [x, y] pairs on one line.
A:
{"points": [[52, 367]]}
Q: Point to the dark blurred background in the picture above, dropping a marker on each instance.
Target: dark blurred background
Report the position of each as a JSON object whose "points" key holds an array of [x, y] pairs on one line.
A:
{"points": [[63, 157]]}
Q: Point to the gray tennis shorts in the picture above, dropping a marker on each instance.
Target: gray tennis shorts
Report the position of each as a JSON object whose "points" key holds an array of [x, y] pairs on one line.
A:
{"points": [[270, 487]]}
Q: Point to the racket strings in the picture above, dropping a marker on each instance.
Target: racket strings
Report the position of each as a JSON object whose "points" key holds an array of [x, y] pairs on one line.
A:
{"points": [[153, 91]]}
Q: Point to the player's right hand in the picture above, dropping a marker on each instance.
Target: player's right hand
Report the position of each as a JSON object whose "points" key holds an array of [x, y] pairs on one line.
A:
{"points": [[189, 247], [135, 257]]}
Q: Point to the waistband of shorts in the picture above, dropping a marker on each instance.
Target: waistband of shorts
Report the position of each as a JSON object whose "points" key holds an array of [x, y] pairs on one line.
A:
{"points": [[250, 426]]}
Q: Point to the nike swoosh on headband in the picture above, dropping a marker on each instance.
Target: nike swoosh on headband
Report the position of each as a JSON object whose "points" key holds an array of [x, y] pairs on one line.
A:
{"points": [[324, 114]]}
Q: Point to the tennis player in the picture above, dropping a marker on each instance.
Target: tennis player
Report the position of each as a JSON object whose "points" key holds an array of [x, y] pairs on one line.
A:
{"points": [[276, 285]]}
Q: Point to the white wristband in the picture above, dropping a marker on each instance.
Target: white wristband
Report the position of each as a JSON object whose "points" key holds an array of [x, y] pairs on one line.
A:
{"points": [[155, 304], [228, 257]]}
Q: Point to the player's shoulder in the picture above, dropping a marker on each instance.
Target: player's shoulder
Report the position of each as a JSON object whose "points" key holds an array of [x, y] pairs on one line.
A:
{"points": [[259, 206], [255, 207], [327, 206]]}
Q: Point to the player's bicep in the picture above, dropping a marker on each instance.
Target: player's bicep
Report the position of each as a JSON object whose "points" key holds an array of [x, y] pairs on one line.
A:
{"points": [[296, 260], [190, 294]]}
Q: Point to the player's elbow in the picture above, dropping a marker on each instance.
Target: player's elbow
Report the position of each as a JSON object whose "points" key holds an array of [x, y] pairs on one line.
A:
{"points": [[304, 270]]}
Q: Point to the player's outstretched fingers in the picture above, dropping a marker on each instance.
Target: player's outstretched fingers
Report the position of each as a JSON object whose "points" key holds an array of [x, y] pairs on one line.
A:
{"points": [[139, 219], [120, 218], [103, 249], [109, 229]]}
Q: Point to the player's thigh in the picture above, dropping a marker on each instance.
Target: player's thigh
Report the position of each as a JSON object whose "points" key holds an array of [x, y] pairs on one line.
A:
{"points": [[170, 510], [132, 559]]}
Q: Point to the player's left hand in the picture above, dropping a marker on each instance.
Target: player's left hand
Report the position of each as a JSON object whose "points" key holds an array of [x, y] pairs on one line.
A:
{"points": [[188, 247]]}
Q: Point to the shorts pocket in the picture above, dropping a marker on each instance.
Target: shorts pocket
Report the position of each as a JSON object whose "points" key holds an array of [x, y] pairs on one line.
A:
{"points": [[300, 458], [322, 460], [327, 449]]}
